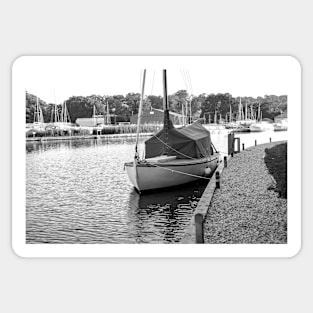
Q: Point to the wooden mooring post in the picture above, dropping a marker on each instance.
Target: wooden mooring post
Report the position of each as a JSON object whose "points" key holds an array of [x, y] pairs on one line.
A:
{"points": [[225, 161], [270, 139], [199, 228], [238, 144], [243, 147], [217, 179], [255, 142], [231, 144]]}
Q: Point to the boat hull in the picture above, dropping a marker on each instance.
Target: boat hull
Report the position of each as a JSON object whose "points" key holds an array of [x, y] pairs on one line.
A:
{"points": [[149, 175], [280, 127], [261, 127]]}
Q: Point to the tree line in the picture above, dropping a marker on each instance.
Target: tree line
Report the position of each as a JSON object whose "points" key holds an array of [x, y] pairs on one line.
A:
{"points": [[123, 107]]}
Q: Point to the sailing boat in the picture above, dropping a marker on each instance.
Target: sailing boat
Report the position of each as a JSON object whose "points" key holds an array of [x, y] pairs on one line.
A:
{"points": [[172, 156], [38, 117], [260, 125], [282, 124]]}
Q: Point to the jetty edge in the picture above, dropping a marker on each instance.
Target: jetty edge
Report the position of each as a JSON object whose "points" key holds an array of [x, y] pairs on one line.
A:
{"points": [[245, 209], [202, 207]]}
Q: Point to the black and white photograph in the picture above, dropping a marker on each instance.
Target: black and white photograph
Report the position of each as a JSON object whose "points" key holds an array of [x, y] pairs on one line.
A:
{"points": [[187, 152], [156, 156]]}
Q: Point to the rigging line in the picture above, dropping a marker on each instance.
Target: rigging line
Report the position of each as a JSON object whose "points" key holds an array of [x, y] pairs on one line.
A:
{"points": [[186, 75], [214, 147], [187, 156], [152, 82], [191, 89], [164, 143], [179, 172], [187, 81], [184, 79]]}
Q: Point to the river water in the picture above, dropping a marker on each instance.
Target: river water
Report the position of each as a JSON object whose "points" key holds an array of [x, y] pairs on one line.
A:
{"points": [[78, 192]]}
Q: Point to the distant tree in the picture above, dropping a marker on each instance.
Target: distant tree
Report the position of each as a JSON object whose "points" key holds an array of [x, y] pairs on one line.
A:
{"points": [[132, 100], [156, 102], [98, 102], [79, 107], [124, 107], [178, 101]]}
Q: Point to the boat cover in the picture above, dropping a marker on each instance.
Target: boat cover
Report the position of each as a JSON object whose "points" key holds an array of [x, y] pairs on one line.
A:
{"points": [[192, 141]]}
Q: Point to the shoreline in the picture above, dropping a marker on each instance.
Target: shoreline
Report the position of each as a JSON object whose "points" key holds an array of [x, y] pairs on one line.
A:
{"points": [[59, 138]]}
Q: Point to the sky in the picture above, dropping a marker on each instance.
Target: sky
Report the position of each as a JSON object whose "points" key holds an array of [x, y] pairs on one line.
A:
{"points": [[55, 79]]}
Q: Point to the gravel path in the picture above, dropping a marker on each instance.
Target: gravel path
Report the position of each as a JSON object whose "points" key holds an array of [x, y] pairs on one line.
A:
{"points": [[244, 210]]}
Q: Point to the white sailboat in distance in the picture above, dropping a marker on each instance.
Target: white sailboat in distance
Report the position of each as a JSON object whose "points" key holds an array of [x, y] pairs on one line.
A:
{"points": [[172, 156]]}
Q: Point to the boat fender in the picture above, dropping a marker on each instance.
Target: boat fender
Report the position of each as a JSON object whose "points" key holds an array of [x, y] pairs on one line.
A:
{"points": [[207, 171]]}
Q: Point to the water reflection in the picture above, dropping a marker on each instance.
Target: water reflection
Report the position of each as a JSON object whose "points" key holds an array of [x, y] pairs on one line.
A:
{"points": [[162, 216]]}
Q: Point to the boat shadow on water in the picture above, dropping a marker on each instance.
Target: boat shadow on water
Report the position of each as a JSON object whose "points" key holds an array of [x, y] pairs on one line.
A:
{"points": [[161, 216]]}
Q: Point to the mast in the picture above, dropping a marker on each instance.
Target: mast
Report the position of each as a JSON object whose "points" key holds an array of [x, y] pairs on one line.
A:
{"points": [[56, 115], [140, 114], [62, 114], [190, 112], [230, 117], [108, 113], [37, 112], [166, 111], [94, 115], [41, 116], [259, 113]]}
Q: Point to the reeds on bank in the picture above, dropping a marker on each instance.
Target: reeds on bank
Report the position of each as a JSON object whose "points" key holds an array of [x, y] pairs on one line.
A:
{"points": [[85, 131]]}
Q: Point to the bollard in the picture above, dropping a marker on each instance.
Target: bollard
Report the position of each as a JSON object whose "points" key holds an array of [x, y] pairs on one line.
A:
{"points": [[225, 161], [270, 139], [238, 145], [217, 178], [243, 147], [232, 154], [230, 143], [199, 228], [255, 142]]}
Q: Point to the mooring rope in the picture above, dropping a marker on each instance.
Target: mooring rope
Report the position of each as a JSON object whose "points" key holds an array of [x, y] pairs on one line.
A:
{"points": [[179, 172]]}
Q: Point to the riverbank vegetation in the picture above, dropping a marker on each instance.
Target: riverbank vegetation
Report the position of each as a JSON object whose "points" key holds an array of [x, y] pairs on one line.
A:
{"points": [[276, 162], [105, 130]]}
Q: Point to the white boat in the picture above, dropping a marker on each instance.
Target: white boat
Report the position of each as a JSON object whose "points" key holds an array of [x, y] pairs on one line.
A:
{"points": [[280, 126], [38, 118], [214, 126], [172, 156], [281, 123], [261, 126]]}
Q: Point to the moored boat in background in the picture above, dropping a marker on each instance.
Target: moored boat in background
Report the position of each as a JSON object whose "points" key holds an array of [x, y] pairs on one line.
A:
{"points": [[281, 125], [261, 126]]}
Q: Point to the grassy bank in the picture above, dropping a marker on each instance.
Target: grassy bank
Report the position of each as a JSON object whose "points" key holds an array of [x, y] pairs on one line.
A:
{"points": [[107, 130], [276, 162]]}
